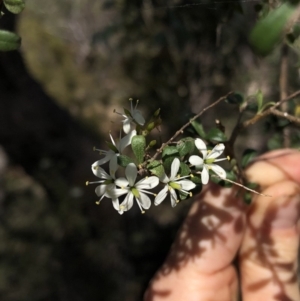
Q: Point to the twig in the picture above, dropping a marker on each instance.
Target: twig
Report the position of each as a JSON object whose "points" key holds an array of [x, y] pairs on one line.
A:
{"points": [[241, 185], [283, 84], [269, 111], [180, 131], [287, 116]]}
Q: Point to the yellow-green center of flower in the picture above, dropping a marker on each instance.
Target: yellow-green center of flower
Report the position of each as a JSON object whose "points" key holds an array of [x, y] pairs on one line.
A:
{"points": [[209, 161], [175, 185], [135, 192]]}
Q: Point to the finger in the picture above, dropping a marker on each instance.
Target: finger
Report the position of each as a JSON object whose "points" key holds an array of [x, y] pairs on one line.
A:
{"points": [[275, 166], [199, 264], [269, 251]]}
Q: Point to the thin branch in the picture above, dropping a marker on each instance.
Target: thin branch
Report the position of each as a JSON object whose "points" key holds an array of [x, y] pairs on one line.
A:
{"points": [[180, 131], [283, 84], [269, 111], [241, 185], [287, 116]]}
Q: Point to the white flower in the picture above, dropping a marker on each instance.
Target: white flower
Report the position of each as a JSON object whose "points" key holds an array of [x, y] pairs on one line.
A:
{"points": [[134, 116], [173, 183], [107, 185], [134, 190], [207, 162], [116, 149]]}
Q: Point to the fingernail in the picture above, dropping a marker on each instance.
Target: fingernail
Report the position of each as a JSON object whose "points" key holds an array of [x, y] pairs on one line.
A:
{"points": [[286, 214]]}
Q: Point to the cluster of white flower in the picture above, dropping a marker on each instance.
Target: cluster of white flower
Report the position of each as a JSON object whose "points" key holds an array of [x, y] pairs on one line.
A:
{"points": [[113, 188]]}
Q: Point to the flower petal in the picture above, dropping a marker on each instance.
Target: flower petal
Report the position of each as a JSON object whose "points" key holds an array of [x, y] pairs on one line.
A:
{"points": [[161, 195], [131, 173], [164, 178], [138, 117], [126, 140], [116, 192], [218, 170], [196, 160], [200, 144], [216, 151], [127, 203], [186, 184], [113, 165], [174, 169], [204, 175], [116, 204], [100, 172], [173, 197], [144, 200], [126, 125], [100, 190], [121, 182], [107, 157], [147, 183]]}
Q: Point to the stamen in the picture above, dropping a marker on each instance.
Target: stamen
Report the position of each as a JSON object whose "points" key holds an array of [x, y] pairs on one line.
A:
{"points": [[177, 201], [191, 194], [87, 183], [191, 175], [142, 211], [228, 158], [97, 202]]}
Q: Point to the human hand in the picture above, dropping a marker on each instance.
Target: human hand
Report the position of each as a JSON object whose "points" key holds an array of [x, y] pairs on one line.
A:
{"points": [[264, 237]]}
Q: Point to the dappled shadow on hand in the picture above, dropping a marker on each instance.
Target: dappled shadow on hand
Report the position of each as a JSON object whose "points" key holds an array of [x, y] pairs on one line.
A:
{"points": [[214, 216], [271, 254]]}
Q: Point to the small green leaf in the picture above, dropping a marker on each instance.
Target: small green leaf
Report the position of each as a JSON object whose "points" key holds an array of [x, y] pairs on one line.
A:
{"points": [[156, 168], [198, 128], [112, 147], [259, 98], [248, 156], [268, 31], [217, 135], [184, 169], [14, 6], [168, 155], [186, 146], [9, 41], [196, 179], [124, 160], [235, 98], [138, 145]]}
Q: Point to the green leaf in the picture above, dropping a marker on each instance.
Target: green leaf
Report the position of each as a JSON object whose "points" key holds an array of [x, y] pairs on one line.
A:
{"points": [[217, 135], [198, 128], [124, 160], [184, 169], [259, 98], [268, 31], [235, 98], [112, 147], [14, 6], [186, 146], [138, 145], [196, 179], [168, 155], [9, 41], [248, 156], [156, 168]]}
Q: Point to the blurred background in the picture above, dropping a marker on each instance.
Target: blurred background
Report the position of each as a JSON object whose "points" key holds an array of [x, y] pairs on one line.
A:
{"points": [[80, 60]]}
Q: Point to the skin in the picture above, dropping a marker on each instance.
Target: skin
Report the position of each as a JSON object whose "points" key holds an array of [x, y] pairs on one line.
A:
{"points": [[226, 248]]}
